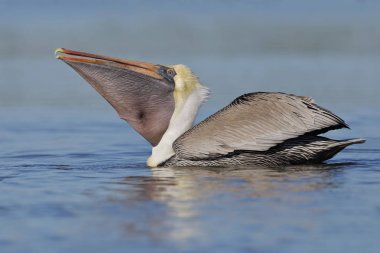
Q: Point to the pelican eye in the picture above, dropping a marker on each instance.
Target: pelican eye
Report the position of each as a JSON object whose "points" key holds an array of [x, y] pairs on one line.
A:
{"points": [[171, 72], [167, 73]]}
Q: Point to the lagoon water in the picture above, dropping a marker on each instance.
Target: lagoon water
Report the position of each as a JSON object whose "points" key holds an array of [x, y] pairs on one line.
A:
{"points": [[73, 176], [77, 182]]}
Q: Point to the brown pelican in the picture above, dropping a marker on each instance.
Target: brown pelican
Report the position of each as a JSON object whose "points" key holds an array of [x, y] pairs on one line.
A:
{"points": [[161, 102]]}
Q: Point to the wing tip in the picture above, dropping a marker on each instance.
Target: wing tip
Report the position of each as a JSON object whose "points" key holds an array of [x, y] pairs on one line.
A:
{"points": [[357, 141], [344, 124]]}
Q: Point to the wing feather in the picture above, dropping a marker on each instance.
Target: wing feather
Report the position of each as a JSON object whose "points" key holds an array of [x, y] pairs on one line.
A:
{"points": [[255, 122]]}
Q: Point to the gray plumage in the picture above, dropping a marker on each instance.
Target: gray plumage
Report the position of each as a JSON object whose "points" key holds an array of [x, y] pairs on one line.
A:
{"points": [[261, 128]]}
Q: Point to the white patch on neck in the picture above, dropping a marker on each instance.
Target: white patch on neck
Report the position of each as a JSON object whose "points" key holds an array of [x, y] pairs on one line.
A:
{"points": [[181, 121]]}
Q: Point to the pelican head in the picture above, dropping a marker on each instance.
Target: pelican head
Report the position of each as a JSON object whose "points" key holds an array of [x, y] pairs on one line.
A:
{"points": [[160, 102]]}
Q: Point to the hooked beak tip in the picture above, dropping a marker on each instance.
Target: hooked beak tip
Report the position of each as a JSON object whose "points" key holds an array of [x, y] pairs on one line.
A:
{"points": [[58, 51]]}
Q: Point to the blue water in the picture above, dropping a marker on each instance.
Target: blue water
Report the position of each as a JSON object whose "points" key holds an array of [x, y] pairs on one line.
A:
{"points": [[73, 176], [77, 182]]}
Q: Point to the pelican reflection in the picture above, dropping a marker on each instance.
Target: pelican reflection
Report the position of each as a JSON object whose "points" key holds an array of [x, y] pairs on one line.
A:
{"points": [[190, 197]]}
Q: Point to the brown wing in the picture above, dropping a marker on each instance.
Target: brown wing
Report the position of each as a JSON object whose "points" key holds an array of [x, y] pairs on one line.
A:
{"points": [[256, 122]]}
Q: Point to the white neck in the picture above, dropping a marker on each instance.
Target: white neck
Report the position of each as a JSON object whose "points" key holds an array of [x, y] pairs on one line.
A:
{"points": [[182, 119]]}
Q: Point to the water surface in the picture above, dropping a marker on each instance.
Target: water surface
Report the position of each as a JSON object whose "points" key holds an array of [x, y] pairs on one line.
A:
{"points": [[77, 182]]}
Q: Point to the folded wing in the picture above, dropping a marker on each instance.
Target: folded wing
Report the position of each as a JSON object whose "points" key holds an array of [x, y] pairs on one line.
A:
{"points": [[255, 122]]}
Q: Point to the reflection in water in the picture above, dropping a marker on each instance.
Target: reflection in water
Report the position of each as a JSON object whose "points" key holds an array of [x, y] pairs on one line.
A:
{"points": [[192, 197]]}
